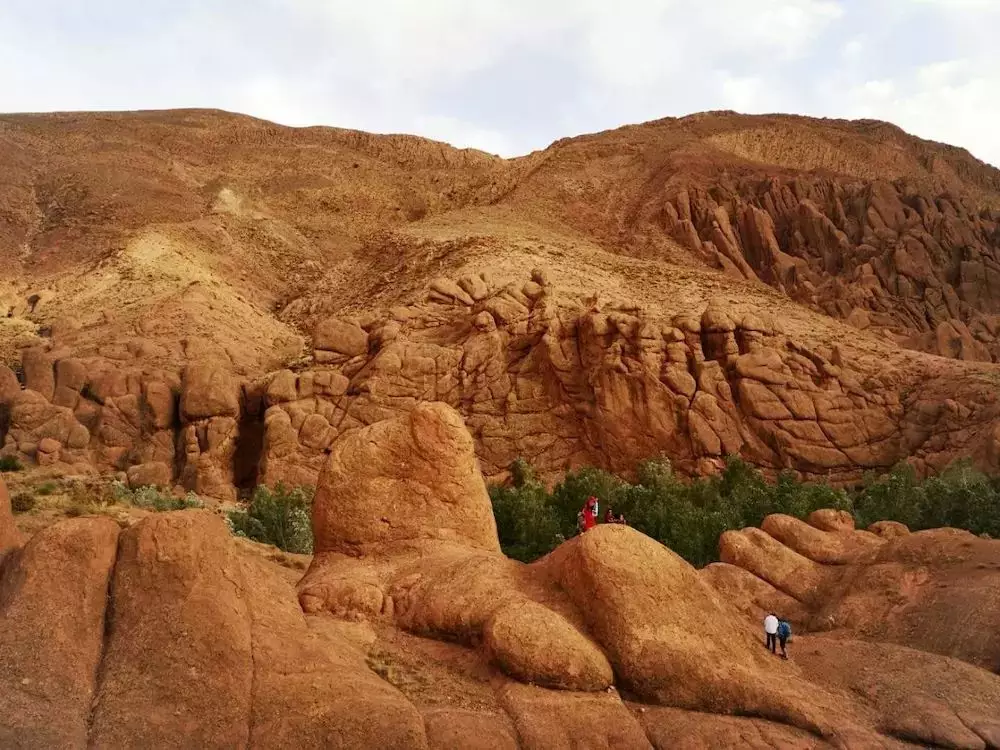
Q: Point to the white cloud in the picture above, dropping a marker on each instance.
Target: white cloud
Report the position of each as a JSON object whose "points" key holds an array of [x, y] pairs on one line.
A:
{"points": [[452, 130], [952, 101], [511, 75]]}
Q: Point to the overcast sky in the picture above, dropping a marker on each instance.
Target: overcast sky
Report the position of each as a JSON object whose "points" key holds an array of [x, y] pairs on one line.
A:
{"points": [[510, 76]]}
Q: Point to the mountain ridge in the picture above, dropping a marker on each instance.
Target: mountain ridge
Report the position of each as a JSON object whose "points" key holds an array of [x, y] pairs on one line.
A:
{"points": [[854, 256]]}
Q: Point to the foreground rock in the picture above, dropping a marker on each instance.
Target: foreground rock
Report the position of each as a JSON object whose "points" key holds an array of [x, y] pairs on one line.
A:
{"points": [[170, 634], [610, 598], [53, 595], [205, 648]]}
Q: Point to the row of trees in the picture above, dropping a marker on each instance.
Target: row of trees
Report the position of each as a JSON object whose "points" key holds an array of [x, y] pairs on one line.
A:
{"points": [[689, 516]]}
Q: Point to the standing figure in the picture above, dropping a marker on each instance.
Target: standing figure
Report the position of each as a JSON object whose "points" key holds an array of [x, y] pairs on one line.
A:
{"points": [[590, 514], [771, 632], [784, 633]]}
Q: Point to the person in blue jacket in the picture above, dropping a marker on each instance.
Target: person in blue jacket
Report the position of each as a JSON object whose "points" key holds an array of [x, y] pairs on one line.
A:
{"points": [[784, 633]]}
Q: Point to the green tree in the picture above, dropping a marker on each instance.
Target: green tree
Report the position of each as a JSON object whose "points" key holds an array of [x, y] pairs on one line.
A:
{"points": [[281, 517]]}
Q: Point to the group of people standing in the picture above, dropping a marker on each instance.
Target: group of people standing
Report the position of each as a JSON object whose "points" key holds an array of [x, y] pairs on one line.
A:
{"points": [[587, 517], [776, 632]]}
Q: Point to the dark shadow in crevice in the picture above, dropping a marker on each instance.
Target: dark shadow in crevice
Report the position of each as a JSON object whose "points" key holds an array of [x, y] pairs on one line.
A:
{"points": [[249, 444]]}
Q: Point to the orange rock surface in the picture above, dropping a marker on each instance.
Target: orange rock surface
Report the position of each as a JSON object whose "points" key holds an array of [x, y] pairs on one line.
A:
{"points": [[202, 299]]}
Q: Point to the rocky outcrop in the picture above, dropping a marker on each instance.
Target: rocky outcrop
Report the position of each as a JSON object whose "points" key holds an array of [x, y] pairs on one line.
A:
{"points": [[924, 265], [375, 499], [886, 584], [169, 633], [535, 375], [546, 379], [610, 598], [204, 647]]}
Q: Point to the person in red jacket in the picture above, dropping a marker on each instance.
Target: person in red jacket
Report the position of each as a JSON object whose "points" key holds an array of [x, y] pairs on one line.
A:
{"points": [[590, 514]]}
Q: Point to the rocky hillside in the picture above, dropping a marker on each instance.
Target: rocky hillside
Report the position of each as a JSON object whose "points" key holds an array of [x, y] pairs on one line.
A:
{"points": [[169, 634], [208, 300]]}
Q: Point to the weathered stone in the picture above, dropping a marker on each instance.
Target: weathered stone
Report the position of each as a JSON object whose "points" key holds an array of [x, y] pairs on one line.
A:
{"points": [[209, 391]]}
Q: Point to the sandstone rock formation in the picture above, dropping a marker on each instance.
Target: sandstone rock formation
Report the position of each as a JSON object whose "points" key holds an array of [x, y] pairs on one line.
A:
{"points": [[169, 633], [711, 285], [541, 378], [610, 606], [204, 648], [930, 590]]}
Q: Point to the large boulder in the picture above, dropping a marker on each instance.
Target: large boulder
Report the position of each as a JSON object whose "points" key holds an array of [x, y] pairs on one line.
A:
{"points": [[53, 594], [673, 640], [403, 480], [208, 648], [9, 385], [209, 390], [339, 336], [39, 372], [179, 655]]}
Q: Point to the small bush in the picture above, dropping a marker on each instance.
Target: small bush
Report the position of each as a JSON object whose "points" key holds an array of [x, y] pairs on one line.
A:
{"points": [[77, 509], [280, 517], [46, 489], [152, 498], [22, 502], [10, 463]]}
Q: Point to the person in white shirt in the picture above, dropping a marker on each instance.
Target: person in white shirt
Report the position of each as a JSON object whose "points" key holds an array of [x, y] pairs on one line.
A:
{"points": [[771, 632]]}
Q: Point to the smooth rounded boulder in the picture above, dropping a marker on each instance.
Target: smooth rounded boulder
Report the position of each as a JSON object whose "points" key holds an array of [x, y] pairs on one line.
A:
{"points": [[407, 479]]}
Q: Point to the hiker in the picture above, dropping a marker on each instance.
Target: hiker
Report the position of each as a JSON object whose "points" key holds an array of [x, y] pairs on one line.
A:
{"points": [[771, 632], [609, 517], [590, 513], [784, 633], [621, 519]]}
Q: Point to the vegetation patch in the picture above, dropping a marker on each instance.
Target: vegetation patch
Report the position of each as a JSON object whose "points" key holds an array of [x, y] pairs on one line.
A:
{"points": [[10, 463], [152, 498], [22, 502], [689, 515], [279, 516]]}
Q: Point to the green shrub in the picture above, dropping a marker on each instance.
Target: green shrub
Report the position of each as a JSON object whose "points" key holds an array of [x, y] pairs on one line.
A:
{"points": [[960, 497], [10, 463], [47, 488], [22, 502], [152, 498], [527, 525], [75, 510], [280, 517], [689, 516]]}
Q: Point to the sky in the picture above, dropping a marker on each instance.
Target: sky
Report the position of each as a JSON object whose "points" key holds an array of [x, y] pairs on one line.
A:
{"points": [[511, 76]]}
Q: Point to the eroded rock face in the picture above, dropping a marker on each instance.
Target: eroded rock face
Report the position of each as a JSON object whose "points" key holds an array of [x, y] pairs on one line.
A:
{"points": [[893, 254], [917, 590], [563, 385], [535, 375]]}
